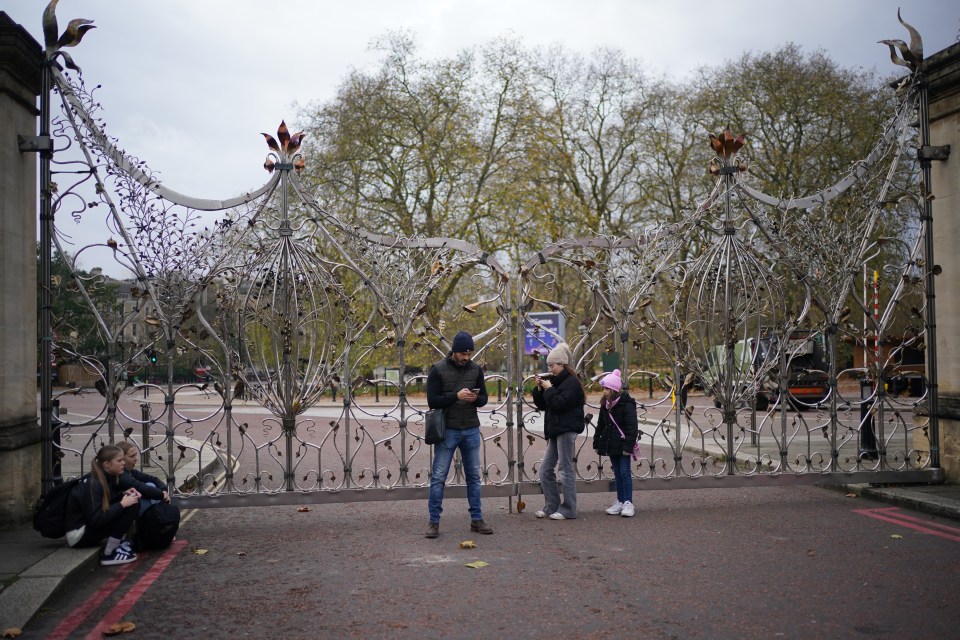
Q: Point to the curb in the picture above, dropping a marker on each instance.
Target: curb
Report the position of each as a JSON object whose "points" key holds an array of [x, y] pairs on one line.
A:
{"points": [[23, 598], [904, 497]]}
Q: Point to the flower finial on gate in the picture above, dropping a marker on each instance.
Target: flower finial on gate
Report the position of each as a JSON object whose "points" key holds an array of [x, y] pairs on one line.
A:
{"points": [[71, 37], [284, 150], [910, 56], [726, 146]]}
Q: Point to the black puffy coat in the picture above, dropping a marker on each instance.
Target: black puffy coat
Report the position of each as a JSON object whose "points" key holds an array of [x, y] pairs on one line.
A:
{"points": [[85, 506], [607, 440], [138, 480], [562, 405]]}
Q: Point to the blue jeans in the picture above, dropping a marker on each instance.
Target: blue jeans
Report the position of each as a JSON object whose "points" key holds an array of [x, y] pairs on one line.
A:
{"points": [[622, 478], [559, 454], [146, 503], [469, 442]]}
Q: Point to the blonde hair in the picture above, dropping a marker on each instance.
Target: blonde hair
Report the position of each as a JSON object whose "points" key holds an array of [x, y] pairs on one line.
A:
{"points": [[106, 453], [125, 446]]}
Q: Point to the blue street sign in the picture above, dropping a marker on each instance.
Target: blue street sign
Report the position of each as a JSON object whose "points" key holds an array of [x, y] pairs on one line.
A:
{"points": [[543, 330]]}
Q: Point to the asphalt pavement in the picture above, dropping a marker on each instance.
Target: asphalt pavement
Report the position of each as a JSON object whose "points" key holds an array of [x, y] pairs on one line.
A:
{"points": [[32, 568]]}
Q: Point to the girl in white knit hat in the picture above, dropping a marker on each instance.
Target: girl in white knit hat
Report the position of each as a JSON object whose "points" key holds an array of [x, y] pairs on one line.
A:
{"points": [[616, 437], [561, 397]]}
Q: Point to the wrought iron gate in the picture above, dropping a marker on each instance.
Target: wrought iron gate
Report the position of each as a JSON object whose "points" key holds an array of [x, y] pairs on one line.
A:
{"points": [[286, 310]]}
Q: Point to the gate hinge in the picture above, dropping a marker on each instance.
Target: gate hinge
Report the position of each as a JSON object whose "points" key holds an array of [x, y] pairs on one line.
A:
{"points": [[929, 152], [35, 144]]}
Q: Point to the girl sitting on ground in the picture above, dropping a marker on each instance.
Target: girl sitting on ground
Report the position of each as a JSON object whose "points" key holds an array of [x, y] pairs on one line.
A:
{"points": [[103, 507], [131, 456]]}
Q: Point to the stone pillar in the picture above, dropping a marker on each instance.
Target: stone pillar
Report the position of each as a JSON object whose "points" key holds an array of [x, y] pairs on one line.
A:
{"points": [[942, 71], [20, 71]]}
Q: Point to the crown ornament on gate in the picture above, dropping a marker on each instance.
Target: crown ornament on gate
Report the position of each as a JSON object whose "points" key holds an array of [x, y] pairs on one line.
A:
{"points": [[284, 150], [726, 147]]}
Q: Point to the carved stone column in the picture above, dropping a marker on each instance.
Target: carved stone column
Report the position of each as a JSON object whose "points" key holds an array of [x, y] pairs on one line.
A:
{"points": [[942, 71], [20, 69]]}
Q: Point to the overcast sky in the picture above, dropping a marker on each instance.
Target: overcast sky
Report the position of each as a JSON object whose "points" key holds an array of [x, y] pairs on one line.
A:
{"points": [[189, 84]]}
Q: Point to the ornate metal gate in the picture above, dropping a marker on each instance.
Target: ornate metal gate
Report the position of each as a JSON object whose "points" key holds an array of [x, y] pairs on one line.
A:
{"points": [[286, 311]]}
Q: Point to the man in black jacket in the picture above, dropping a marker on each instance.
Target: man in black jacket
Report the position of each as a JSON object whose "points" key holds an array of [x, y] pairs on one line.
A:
{"points": [[456, 385]]}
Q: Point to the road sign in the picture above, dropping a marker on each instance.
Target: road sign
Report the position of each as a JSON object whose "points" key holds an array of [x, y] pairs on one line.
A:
{"points": [[543, 330]]}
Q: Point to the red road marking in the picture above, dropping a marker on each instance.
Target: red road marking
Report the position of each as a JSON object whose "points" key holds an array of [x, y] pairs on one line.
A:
{"points": [[891, 514], [130, 597], [78, 615]]}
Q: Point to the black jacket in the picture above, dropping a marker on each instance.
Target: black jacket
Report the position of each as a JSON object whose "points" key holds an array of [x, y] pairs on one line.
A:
{"points": [[562, 403], [136, 480], [445, 380], [85, 504], [607, 440]]}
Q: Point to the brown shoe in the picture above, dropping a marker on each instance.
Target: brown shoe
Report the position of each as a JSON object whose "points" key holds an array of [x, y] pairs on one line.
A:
{"points": [[479, 526], [433, 530]]}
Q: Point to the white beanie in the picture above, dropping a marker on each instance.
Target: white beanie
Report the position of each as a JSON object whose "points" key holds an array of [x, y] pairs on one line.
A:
{"points": [[560, 354]]}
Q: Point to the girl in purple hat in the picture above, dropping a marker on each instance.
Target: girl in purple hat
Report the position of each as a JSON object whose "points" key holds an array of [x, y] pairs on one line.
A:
{"points": [[616, 437]]}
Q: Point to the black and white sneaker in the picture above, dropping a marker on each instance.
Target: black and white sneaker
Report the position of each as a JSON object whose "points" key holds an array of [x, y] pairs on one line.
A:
{"points": [[123, 554]]}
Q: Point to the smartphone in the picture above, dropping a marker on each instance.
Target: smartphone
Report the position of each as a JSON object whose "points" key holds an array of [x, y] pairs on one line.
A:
{"points": [[477, 390]]}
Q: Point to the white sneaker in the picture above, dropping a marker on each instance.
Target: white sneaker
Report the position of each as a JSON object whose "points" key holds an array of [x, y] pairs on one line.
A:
{"points": [[541, 513], [627, 511], [615, 508], [557, 516]]}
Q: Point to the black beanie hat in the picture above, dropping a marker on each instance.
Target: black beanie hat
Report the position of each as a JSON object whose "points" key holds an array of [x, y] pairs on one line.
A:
{"points": [[463, 341]]}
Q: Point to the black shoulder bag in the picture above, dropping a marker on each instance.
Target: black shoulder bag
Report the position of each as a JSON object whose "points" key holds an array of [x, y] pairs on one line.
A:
{"points": [[435, 423]]}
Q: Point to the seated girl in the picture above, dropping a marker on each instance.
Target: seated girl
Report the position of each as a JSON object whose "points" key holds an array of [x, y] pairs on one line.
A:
{"points": [[101, 507], [134, 477]]}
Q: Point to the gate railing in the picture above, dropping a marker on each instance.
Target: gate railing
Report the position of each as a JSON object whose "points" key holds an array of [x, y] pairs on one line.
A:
{"points": [[289, 313]]}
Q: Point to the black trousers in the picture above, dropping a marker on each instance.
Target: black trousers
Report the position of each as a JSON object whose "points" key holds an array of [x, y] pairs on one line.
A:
{"points": [[92, 536]]}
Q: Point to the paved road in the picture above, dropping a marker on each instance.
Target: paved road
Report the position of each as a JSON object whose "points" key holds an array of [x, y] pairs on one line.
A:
{"points": [[799, 562]]}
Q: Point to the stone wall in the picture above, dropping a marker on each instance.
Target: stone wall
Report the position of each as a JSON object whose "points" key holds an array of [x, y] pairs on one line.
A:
{"points": [[20, 60], [943, 74]]}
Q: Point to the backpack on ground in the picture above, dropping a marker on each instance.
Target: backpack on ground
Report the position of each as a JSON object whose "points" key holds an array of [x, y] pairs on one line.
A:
{"points": [[50, 514], [157, 526]]}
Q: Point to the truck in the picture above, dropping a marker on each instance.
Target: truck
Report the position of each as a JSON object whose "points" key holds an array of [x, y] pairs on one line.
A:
{"points": [[807, 379]]}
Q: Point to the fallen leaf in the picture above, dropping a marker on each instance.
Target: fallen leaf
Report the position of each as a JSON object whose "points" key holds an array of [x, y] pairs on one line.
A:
{"points": [[468, 544], [897, 536], [521, 505], [811, 552], [241, 553], [477, 564], [124, 626], [303, 509], [12, 632], [851, 495], [200, 552]]}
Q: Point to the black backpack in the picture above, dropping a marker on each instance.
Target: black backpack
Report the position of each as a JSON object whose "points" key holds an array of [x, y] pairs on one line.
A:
{"points": [[50, 514], [157, 526]]}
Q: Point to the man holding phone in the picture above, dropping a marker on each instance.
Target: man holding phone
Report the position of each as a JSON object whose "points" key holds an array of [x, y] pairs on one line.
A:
{"points": [[455, 384]]}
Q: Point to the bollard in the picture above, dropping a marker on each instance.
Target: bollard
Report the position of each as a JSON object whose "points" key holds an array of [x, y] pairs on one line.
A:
{"points": [[868, 440], [376, 392], [650, 385], [498, 389], [145, 424], [55, 436]]}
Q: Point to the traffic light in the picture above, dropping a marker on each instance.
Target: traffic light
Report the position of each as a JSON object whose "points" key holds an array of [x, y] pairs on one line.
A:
{"points": [[152, 354]]}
